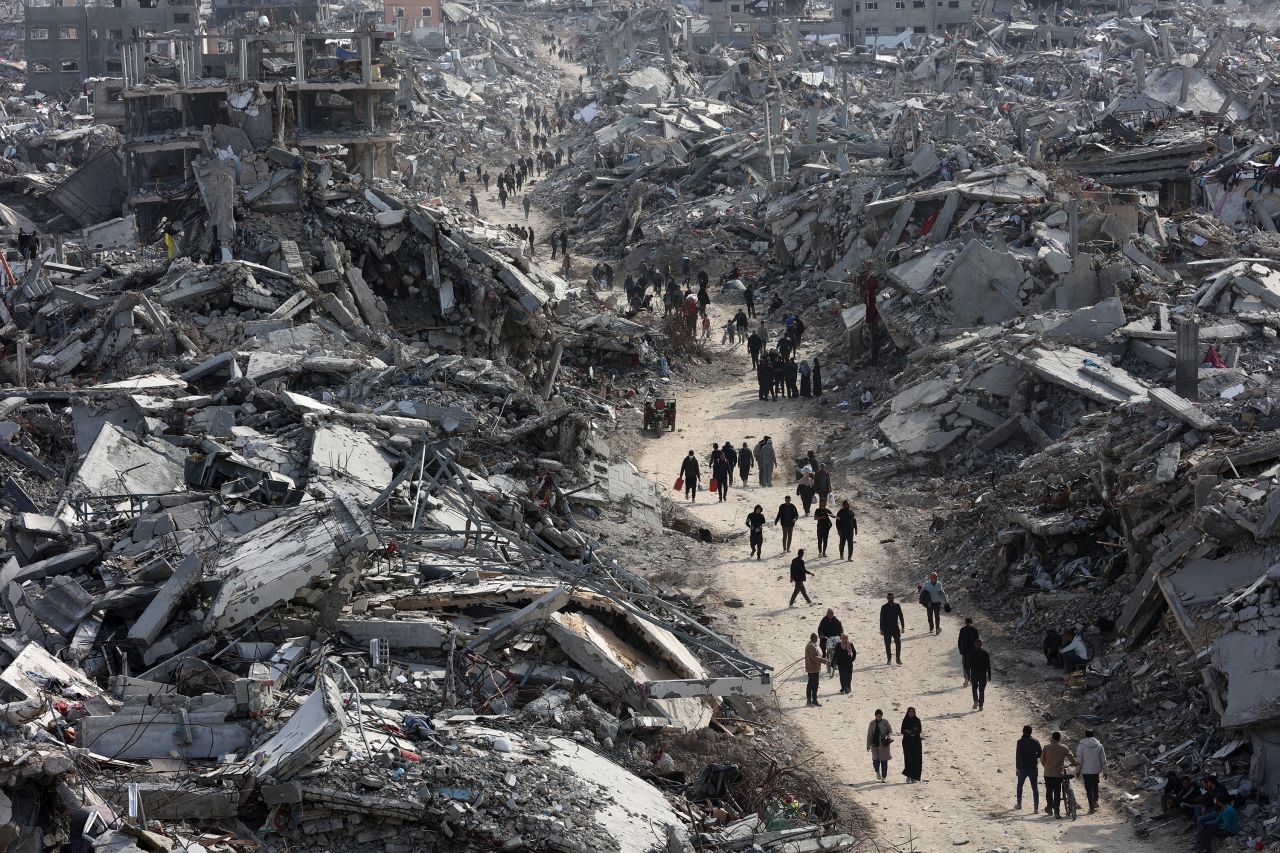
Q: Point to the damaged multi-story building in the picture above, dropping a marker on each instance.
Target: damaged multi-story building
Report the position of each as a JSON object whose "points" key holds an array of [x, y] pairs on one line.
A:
{"points": [[311, 90], [65, 44], [867, 21]]}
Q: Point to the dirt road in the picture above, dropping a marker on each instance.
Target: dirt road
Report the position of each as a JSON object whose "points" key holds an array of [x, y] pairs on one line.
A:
{"points": [[967, 795]]}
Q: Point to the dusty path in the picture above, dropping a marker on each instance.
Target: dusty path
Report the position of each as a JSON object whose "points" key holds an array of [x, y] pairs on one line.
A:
{"points": [[967, 795]]}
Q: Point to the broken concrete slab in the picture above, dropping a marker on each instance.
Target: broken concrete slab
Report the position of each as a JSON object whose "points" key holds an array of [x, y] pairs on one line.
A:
{"points": [[317, 723], [1090, 324]]}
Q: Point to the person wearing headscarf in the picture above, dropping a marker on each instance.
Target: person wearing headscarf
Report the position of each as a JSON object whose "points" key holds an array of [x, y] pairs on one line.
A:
{"points": [[912, 747], [843, 655], [879, 744]]}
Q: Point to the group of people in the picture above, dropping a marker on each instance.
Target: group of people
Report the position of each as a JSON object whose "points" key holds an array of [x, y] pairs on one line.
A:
{"points": [[724, 462], [1209, 809]]}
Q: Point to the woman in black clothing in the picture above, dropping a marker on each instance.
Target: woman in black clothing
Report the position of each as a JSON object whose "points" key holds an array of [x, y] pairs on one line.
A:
{"points": [[912, 748], [843, 656], [755, 523], [823, 516], [817, 378]]}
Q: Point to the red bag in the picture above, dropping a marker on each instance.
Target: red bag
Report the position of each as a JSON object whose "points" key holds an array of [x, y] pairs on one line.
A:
{"points": [[713, 485], [679, 484]]}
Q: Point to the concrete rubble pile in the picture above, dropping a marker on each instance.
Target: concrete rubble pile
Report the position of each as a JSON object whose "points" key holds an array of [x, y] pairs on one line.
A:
{"points": [[1086, 382], [1048, 252], [302, 480]]}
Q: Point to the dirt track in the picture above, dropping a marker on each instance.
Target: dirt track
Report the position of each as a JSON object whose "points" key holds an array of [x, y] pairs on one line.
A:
{"points": [[967, 795]]}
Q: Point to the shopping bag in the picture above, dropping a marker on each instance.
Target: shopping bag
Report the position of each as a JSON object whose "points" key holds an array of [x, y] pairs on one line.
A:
{"points": [[713, 485], [679, 484]]}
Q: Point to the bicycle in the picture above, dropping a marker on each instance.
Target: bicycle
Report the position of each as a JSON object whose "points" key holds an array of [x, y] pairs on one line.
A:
{"points": [[1069, 804]]}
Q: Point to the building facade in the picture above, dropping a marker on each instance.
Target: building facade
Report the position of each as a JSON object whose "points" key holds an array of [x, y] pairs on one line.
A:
{"points": [[864, 21], [419, 20], [67, 42]]}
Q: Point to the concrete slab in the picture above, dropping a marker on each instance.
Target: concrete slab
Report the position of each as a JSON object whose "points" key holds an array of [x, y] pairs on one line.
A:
{"points": [[308, 733], [918, 432], [346, 459], [984, 285], [921, 395], [1250, 663], [117, 464], [1090, 324]]}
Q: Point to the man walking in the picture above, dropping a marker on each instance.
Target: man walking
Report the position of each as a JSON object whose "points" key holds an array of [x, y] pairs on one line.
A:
{"points": [[730, 456], [1093, 763], [787, 517], [968, 636], [1054, 758], [754, 347], [798, 574], [765, 460], [933, 596], [892, 624], [755, 524], [822, 485], [1027, 764], [846, 527], [690, 472], [721, 472], [744, 462], [979, 673], [812, 669]]}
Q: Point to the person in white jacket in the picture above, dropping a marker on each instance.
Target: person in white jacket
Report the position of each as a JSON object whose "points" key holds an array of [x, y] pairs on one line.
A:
{"points": [[1075, 654], [1093, 763]]}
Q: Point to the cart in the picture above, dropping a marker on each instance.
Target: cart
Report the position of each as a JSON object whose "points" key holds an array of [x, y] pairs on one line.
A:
{"points": [[660, 414]]}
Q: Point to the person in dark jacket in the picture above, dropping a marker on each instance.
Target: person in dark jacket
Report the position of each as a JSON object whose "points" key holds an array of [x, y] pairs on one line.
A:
{"points": [[817, 379], [1027, 764], [730, 456], [755, 524], [792, 373], [764, 378], [798, 574], [843, 654], [804, 491], [846, 527], [755, 346], [787, 517], [828, 630], [822, 485], [823, 517], [968, 636], [979, 673], [744, 462], [721, 470], [912, 746], [892, 624], [690, 472]]}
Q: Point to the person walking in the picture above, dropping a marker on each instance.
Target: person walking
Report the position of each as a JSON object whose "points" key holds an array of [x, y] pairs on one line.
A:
{"points": [[843, 654], [846, 527], [828, 630], [1027, 764], [754, 346], [730, 456], [1054, 758], [721, 471], [690, 472], [912, 746], [812, 670], [798, 574], [968, 636], [804, 490], [502, 198], [764, 378], [933, 596], [765, 460], [892, 624], [1093, 764], [745, 459], [822, 485], [749, 295], [787, 517], [792, 371], [879, 742], [528, 203], [979, 673], [817, 379], [823, 517], [755, 524], [806, 375]]}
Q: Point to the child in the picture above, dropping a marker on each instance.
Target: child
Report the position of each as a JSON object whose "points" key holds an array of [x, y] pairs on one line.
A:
{"points": [[706, 327]]}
